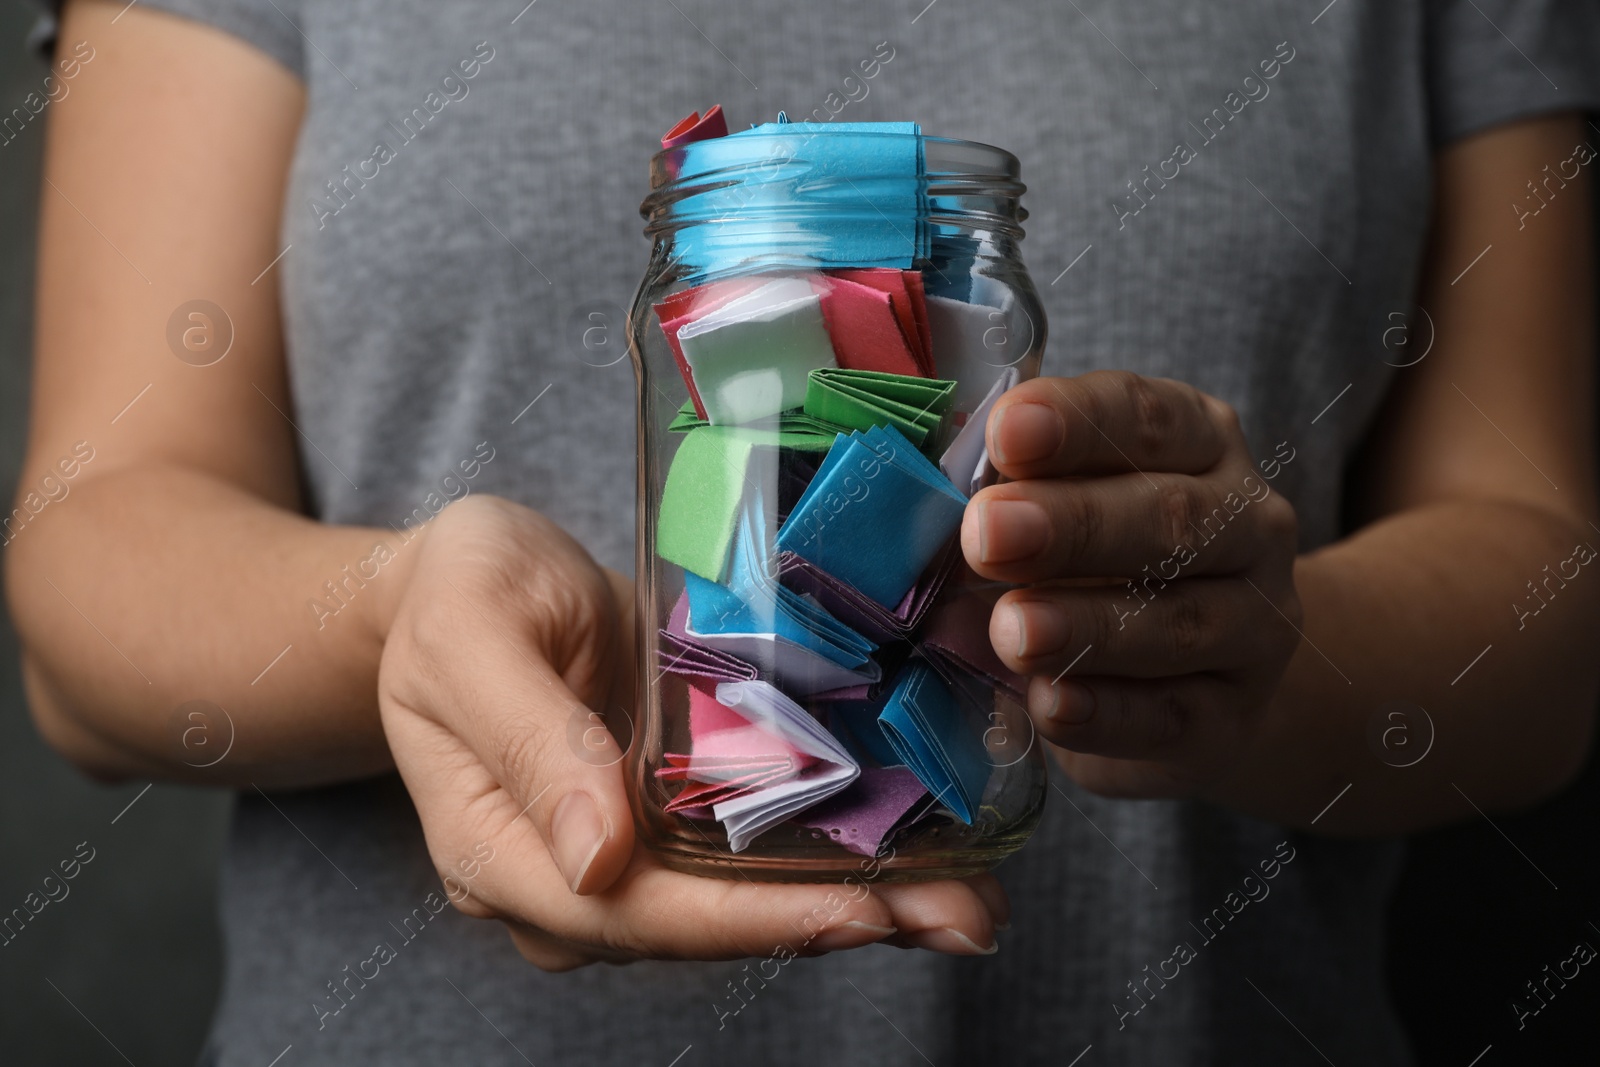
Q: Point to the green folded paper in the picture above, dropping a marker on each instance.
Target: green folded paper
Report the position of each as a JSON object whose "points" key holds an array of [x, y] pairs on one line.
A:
{"points": [[792, 429], [700, 502], [861, 399]]}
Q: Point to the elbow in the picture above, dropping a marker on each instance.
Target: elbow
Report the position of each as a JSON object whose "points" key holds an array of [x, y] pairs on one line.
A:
{"points": [[77, 744]]}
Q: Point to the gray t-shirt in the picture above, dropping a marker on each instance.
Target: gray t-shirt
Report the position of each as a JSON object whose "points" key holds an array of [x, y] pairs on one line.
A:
{"points": [[430, 303]]}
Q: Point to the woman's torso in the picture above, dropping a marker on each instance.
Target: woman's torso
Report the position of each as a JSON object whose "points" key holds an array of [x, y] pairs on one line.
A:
{"points": [[438, 307]]}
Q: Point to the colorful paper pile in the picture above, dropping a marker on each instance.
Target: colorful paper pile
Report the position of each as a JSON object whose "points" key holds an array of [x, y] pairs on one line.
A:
{"points": [[821, 473]]}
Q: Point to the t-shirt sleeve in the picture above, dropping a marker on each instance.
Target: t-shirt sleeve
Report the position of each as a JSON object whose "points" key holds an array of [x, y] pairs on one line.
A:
{"points": [[1495, 61], [270, 25]]}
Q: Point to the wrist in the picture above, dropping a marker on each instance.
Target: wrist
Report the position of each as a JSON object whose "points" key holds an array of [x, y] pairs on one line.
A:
{"points": [[400, 552]]}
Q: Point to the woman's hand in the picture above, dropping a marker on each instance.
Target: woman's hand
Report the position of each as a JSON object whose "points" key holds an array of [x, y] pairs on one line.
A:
{"points": [[1156, 564], [505, 636]]}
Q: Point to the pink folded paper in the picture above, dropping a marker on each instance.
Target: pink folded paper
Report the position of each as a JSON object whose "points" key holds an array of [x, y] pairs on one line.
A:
{"points": [[864, 329], [729, 755], [957, 636], [863, 816], [876, 320], [904, 288]]}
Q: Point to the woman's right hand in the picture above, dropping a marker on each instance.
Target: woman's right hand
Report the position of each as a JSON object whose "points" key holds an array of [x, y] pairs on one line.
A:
{"points": [[502, 636]]}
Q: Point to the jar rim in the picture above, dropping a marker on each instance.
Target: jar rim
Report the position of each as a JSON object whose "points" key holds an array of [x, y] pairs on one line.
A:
{"points": [[946, 166], [668, 161]]}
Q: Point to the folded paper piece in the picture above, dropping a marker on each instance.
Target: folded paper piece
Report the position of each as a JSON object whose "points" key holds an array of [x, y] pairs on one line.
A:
{"points": [[859, 399], [852, 692], [748, 816], [784, 648], [877, 513], [729, 757], [689, 305], [966, 461], [972, 344], [782, 634], [863, 815], [700, 502], [750, 357], [904, 289], [855, 724], [866, 333], [681, 654], [867, 176], [923, 721], [789, 429], [697, 127], [956, 637], [861, 613]]}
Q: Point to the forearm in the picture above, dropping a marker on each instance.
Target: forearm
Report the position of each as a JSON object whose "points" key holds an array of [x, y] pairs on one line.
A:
{"points": [[152, 586], [1400, 611]]}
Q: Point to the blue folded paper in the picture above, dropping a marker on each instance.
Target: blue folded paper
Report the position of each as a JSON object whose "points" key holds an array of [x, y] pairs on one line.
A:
{"points": [[820, 194], [770, 625], [855, 724], [875, 515], [922, 720]]}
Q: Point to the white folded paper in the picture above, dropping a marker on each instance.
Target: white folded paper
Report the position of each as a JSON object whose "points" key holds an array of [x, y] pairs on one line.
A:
{"points": [[750, 357], [747, 817], [966, 461]]}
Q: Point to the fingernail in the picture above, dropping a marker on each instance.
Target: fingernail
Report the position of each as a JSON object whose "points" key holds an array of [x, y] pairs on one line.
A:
{"points": [[952, 942], [1012, 530], [1026, 433], [578, 830], [852, 934], [1041, 628], [1071, 704]]}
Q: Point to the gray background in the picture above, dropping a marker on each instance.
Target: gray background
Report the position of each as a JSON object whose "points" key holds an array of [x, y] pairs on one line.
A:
{"points": [[125, 968]]}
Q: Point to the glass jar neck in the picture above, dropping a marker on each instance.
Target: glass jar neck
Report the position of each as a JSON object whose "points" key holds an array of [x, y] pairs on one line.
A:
{"points": [[814, 195]]}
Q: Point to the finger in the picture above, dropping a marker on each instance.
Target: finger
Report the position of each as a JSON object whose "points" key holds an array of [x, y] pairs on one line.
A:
{"points": [[654, 913], [549, 953], [1106, 422], [950, 917], [516, 716], [994, 897], [1191, 719], [1156, 630], [1128, 525]]}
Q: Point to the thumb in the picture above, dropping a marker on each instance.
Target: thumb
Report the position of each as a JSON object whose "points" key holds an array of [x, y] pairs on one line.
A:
{"points": [[563, 767]]}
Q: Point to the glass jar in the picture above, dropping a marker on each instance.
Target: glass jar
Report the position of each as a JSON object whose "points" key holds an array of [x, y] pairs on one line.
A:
{"points": [[828, 314]]}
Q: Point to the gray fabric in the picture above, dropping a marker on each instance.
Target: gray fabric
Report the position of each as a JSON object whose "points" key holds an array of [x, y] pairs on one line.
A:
{"points": [[1494, 62], [448, 294]]}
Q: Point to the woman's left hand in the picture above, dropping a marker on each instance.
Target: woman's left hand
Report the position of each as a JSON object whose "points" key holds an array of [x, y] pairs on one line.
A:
{"points": [[1155, 562]]}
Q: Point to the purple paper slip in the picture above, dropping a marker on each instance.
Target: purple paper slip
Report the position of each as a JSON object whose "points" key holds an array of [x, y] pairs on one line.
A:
{"points": [[957, 636], [681, 654], [863, 815], [860, 612]]}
